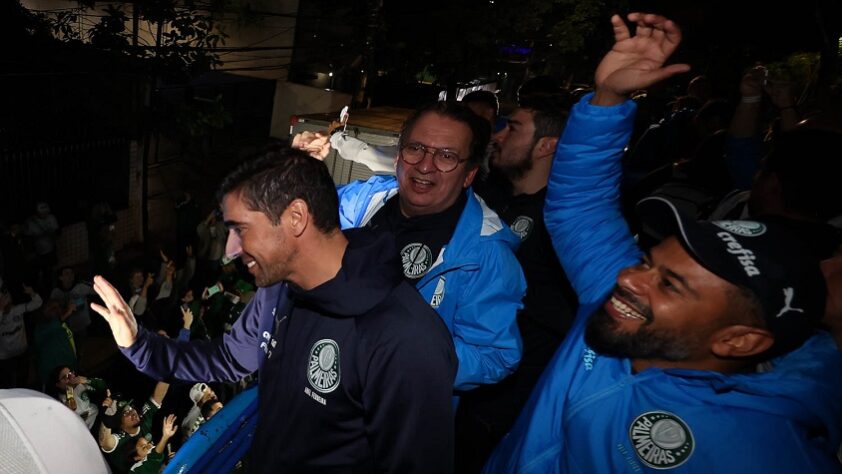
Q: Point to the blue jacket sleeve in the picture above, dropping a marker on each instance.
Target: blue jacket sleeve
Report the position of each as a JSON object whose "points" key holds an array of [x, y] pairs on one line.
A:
{"points": [[229, 359], [485, 329], [354, 198], [582, 208]]}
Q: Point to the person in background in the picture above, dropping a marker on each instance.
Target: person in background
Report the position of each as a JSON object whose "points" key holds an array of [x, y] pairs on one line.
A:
{"points": [[148, 457], [42, 228], [53, 342], [71, 291], [484, 104], [14, 362], [123, 425], [76, 392]]}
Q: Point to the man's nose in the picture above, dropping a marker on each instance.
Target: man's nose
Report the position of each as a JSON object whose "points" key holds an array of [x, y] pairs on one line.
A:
{"points": [[427, 163], [500, 136], [634, 280], [234, 245]]}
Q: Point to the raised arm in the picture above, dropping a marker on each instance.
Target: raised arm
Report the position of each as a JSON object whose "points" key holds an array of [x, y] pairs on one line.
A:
{"points": [[318, 145], [582, 209], [230, 358]]}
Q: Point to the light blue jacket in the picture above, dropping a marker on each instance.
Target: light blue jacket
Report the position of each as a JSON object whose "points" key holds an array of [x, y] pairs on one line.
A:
{"points": [[476, 283], [590, 414]]}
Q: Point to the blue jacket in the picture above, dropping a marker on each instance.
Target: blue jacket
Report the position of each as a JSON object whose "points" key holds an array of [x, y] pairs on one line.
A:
{"points": [[476, 284], [590, 414]]}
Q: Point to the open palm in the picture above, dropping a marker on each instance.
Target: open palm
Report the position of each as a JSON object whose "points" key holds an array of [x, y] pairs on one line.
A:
{"points": [[636, 62], [116, 311]]}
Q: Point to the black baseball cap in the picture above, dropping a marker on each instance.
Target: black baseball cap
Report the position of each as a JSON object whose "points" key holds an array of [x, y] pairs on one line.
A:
{"points": [[764, 257]]}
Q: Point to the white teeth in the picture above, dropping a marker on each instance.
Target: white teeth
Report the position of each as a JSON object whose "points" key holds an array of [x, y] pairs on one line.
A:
{"points": [[251, 264], [626, 310]]}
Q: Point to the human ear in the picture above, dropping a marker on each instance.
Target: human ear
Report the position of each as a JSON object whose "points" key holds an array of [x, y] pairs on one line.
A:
{"points": [[739, 341], [545, 147], [296, 216], [469, 178]]}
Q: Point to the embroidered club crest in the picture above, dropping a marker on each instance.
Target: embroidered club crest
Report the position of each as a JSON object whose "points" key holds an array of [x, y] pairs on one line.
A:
{"points": [[416, 259], [323, 366], [742, 228], [661, 440], [522, 226]]}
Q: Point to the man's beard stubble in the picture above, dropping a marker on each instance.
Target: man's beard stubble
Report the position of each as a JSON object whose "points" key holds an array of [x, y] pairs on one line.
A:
{"points": [[513, 171], [603, 335]]}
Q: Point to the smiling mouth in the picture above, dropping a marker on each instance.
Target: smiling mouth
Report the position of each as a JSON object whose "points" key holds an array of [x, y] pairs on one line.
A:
{"points": [[422, 182], [624, 310]]}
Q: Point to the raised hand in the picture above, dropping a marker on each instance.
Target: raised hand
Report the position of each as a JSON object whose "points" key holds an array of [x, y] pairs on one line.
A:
{"points": [[187, 315], [107, 401], [116, 312], [169, 427], [637, 62], [751, 84], [316, 144]]}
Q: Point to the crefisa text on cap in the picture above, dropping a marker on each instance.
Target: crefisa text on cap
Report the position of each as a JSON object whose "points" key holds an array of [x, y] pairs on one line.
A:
{"points": [[744, 256]]}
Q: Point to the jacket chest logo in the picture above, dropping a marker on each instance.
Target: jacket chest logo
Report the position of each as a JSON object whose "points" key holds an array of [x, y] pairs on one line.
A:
{"points": [[323, 366], [416, 259], [522, 227], [661, 440]]}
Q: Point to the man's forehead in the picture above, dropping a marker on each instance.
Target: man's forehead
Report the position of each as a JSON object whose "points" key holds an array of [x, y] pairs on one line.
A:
{"points": [[234, 208], [522, 116], [441, 131]]}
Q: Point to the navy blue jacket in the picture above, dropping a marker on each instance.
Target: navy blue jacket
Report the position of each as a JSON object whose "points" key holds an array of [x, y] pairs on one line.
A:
{"points": [[355, 375]]}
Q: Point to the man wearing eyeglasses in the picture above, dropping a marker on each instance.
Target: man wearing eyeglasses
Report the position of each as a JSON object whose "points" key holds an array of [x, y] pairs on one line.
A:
{"points": [[454, 249]]}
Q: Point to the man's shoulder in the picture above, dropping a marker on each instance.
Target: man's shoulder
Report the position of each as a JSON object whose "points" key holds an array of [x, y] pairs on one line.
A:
{"points": [[481, 229], [371, 185], [403, 314]]}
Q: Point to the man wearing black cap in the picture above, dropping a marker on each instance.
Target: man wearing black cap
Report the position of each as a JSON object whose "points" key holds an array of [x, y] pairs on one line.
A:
{"points": [[703, 354]]}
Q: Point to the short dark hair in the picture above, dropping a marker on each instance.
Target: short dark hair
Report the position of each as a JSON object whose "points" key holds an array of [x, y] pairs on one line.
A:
{"points": [[746, 307], [53, 379], [548, 116], [483, 97], [206, 407], [480, 128], [271, 179]]}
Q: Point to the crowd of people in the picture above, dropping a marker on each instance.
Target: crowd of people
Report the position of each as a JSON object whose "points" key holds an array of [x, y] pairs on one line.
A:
{"points": [[46, 327], [599, 280]]}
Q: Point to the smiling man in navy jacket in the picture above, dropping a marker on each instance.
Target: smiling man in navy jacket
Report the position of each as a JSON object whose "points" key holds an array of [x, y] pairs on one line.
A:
{"points": [[356, 370]]}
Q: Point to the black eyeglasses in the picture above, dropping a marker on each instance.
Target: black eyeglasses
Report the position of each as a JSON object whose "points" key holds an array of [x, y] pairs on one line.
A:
{"points": [[443, 159]]}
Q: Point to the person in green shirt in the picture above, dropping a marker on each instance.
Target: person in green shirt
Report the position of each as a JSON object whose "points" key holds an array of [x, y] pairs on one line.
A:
{"points": [[149, 457], [123, 425]]}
